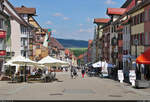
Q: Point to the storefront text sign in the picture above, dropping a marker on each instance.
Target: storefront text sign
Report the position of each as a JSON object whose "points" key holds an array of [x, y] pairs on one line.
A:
{"points": [[132, 77], [120, 76]]}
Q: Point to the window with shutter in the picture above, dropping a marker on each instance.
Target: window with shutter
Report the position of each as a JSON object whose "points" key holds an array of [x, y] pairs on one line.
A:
{"points": [[149, 14], [145, 38], [135, 21], [143, 15], [146, 15], [149, 39], [139, 39], [138, 18], [142, 35]]}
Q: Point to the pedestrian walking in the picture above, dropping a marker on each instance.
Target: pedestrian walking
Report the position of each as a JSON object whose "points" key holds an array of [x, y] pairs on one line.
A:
{"points": [[71, 72], [75, 72], [83, 72]]}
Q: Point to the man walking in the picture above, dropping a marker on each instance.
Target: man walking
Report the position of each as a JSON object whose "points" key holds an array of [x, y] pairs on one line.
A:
{"points": [[71, 71], [75, 72]]}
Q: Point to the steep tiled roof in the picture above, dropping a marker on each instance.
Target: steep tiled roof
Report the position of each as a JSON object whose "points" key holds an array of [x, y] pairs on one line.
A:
{"points": [[101, 20], [139, 6], [15, 15], [81, 56], [25, 10], [55, 43], [90, 42], [126, 3], [116, 11], [120, 27]]}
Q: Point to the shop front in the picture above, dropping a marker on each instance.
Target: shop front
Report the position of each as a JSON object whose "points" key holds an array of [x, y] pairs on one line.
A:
{"points": [[143, 69]]}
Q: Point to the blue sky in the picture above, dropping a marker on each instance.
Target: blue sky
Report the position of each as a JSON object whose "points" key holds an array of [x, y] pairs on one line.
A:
{"points": [[69, 19]]}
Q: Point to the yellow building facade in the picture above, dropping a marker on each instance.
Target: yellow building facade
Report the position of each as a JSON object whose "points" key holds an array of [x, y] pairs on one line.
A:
{"points": [[137, 29], [39, 51]]}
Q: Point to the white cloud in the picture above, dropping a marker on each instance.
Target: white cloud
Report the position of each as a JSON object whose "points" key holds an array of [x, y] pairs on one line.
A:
{"points": [[58, 14], [110, 2], [49, 23], [66, 18], [89, 30]]}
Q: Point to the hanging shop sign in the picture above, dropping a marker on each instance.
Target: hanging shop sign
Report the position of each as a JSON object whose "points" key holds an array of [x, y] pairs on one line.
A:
{"points": [[132, 77]]}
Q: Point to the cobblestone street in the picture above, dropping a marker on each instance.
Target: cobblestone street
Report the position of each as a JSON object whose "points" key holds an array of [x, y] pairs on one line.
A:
{"points": [[65, 88]]}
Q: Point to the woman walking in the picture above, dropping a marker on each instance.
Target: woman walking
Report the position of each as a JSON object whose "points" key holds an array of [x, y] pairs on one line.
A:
{"points": [[71, 72], [83, 72]]}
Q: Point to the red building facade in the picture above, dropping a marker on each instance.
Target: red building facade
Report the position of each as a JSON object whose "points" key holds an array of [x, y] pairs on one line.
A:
{"points": [[147, 27]]}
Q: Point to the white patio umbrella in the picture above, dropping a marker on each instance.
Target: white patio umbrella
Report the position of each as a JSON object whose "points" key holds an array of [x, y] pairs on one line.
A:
{"points": [[23, 61], [102, 64], [39, 66], [10, 64], [98, 64], [63, 62], [49, 61]]}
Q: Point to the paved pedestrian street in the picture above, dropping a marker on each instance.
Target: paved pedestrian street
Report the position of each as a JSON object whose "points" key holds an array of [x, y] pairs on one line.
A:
{"points": [[65, 88]]}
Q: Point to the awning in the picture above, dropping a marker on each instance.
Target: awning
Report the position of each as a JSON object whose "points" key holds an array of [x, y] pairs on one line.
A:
{"points": [[102, 64], [144, 58]]}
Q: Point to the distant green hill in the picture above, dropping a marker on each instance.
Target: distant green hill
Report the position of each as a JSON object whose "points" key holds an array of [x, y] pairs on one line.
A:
{"points": [[70, 43], [78, 51]]}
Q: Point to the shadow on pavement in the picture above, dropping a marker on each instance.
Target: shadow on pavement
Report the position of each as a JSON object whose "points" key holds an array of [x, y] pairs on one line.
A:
{"points": [[10, 82], [34, 81], [58, 80]]}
